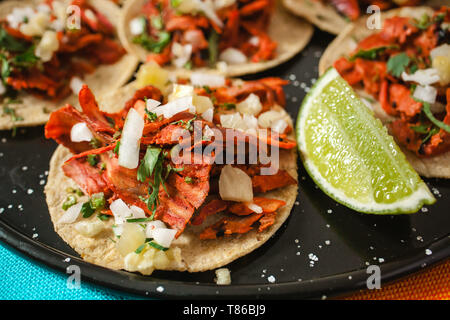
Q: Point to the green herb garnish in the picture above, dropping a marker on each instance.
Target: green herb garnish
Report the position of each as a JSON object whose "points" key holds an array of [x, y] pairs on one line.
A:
{"points": [[157, 246], [70, 201], [148, 163], [103, 217], [213, 47], [140, 248], [97, 201], [132, 220], [371, 54], [151, 44], [397, 64], [92, 159], [87, 210]]}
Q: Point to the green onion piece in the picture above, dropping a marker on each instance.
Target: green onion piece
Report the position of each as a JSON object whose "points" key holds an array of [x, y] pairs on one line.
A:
{"points": [[70, 201], [436, 122], [157, 246], [97, 201], [139, 219], [213, 47], [140, 248], [103, 217]]}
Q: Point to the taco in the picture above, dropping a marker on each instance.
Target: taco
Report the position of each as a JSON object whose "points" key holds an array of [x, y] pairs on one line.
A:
{"points": [[49, 48], [334, 15], [402, 72], [122, 201], [234, 37]]}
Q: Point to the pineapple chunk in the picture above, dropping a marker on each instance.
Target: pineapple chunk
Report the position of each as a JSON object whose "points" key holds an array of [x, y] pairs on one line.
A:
{"points": [[133, 236], [442, 65], [152, 74]]}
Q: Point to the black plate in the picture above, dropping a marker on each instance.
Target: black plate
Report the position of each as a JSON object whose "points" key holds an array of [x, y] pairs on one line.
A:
{"points": [[322, 250]]}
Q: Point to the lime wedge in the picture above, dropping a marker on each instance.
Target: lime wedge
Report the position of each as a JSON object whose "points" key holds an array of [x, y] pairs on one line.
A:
{"points": [[351, 157]]}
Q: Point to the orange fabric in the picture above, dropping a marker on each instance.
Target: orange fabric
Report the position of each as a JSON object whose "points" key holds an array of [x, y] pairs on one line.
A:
{"points": [[430, 284]]}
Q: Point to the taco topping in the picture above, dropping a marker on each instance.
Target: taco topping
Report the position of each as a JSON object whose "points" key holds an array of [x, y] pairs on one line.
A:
{"points": [[148, 166], [196, 33], [406, 67], [47, 49], [351, 9]]}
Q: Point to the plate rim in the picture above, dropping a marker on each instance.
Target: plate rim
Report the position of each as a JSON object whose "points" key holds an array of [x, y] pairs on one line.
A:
{"points": [[337, 285]]}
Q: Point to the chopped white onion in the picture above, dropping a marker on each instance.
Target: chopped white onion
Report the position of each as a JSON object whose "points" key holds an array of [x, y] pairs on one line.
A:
{"points": [[76, 84], [72, 214], [266, 119], [137, 213], [219, 4], [80, 132], [223, 276], [250, 121], [130, 140], [233, 56], [172, 108], [181, 91], [18, 16], [181, 53], [164, 237], [208, 115], [254, 41], [208, 133], [47, 46], [279, 126], [42, 7], [423, 77], [425, 93], [201, 79], [207, 7], [232, 121], [152, 104], [152, 225], [137, 26], [120, 211], [90, 15], [255, 208], [235, 185], [251, 105]]}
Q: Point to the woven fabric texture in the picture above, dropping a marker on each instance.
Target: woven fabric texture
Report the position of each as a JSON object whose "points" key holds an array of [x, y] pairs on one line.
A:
{"points": [[430, 284], [24, 279]]}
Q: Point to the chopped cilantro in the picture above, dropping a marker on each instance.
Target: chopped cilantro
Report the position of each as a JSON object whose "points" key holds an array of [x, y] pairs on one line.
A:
{"points": [[92, 159], [87, 210], [188, 180], [397, 64], [148, 163], [371, 54], [151, 44]]}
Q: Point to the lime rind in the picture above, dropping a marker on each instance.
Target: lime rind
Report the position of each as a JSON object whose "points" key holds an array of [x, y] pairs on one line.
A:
{"points": [[409, 204]]}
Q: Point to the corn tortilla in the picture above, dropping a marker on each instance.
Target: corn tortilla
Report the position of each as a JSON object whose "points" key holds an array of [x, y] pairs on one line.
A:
{"points": [[105, 78], [431, 167], [194, 255]]}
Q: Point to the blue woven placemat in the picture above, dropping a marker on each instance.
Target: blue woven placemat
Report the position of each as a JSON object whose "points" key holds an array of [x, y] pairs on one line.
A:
{"points": [[22, 278]]}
